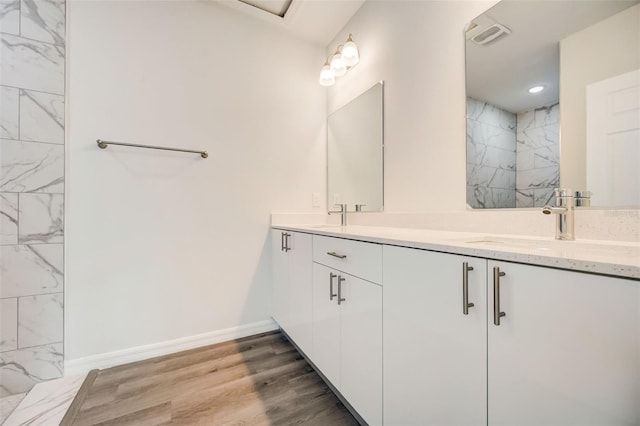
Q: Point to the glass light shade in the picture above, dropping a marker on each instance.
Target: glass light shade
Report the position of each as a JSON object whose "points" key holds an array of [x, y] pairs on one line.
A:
{"points": [[337, 65], [350, 55], [326, 76]]}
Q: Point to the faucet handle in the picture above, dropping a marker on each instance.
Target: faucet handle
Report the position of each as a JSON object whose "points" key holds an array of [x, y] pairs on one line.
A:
{"points": [[582, 198], [343, 207], [563, 192]]}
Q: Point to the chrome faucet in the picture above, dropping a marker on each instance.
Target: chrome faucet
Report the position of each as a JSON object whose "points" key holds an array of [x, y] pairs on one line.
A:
{"points": [[564, 212], [343, 213]]}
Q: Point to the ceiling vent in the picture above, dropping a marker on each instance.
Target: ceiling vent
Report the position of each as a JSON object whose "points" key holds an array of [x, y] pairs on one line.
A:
{"points": [[484, 30], [490, 34]]}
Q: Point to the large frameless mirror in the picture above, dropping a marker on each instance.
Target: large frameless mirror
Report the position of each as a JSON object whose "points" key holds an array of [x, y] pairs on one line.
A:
{"points": [[355, 153], [553, 99]]}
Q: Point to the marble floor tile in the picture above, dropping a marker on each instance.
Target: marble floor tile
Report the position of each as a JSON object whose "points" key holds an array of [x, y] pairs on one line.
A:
{"points": [[31, 167], [8, 404], [8, 324], [47, 402], [20, 370], [8, 218], [41, 218], [43, 20], [30, 270], [40, 320]]}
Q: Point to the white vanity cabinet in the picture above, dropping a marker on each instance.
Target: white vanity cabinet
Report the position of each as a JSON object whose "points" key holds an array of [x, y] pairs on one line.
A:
{"points": [[467, 340], [435, 350], [291, 296], [567, 350], [347, 321]]}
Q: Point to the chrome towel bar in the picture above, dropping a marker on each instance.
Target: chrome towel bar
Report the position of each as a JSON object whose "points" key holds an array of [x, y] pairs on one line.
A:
{"points": [[103, 144]]}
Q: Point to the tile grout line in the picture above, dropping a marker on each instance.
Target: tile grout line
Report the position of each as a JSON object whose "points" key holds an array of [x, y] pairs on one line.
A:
{"points": [[32, 90], [29, 141], [64, 46]]}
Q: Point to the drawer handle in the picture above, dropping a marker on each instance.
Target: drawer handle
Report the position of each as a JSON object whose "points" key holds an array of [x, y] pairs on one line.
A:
{"points": [[331, 293], [496, 295], [340, 298], [287, 247], [465, 288], [334, 254]]}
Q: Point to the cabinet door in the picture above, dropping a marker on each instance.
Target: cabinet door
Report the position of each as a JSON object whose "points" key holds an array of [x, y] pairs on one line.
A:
{"points": [[299, 297], [434, 354], [567, 351], [326, 324], [361, 347], [280, 278], [291, 295]]}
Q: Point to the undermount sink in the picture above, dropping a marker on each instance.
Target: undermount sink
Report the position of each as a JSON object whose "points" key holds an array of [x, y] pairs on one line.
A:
{"points": [[556, 247]]}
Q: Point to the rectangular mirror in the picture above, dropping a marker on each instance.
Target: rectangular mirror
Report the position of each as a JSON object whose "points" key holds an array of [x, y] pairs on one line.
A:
{"points": [[355, 153], [533, 72]]}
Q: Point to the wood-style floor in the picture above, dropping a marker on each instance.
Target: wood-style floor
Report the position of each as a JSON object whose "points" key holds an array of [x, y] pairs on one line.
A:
{"points": [[258, 380]]}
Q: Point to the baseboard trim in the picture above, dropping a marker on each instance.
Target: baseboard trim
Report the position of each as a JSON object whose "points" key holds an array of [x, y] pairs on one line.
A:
{"points": [[111, 359]]}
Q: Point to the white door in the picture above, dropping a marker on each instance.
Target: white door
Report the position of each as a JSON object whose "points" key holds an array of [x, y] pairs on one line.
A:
{"points": [[361, 347], [435, 356], [613, 140], [567, 350]]}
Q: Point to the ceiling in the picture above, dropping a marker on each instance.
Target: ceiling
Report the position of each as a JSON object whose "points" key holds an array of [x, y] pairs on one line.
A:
{"points": [[502, 71], [317, 21]]}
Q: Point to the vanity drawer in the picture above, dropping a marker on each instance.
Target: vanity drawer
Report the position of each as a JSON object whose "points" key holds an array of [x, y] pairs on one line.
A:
{"points": [[357, 258]]}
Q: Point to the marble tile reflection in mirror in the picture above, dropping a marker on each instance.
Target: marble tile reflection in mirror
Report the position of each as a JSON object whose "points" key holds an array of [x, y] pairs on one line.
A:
{"points": [[355, 153]]}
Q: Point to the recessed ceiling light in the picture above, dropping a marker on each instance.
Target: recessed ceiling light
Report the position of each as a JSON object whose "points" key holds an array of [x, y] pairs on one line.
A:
{"points": [[536, 89]]}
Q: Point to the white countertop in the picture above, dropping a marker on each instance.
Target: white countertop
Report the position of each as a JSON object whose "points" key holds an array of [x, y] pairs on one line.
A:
{"points": [[614, 258]]}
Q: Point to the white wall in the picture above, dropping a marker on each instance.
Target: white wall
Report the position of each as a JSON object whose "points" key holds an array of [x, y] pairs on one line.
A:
{"points": [[417, 48], [160, 245], [616, 41]]}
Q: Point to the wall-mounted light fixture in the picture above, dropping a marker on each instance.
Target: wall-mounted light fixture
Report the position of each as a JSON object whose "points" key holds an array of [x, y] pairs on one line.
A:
{"points": [[337, 65]]}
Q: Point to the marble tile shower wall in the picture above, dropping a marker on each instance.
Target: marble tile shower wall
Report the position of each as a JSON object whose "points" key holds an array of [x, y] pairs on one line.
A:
{"points": [[31, 192], [491, 156], [538, 157]]}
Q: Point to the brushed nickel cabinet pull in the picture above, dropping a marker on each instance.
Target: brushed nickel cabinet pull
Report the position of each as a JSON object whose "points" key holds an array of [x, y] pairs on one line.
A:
{"points": [[465, 288], [496, 295], [334, 254], [331, 293], [340, 298], [286, 242]]}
